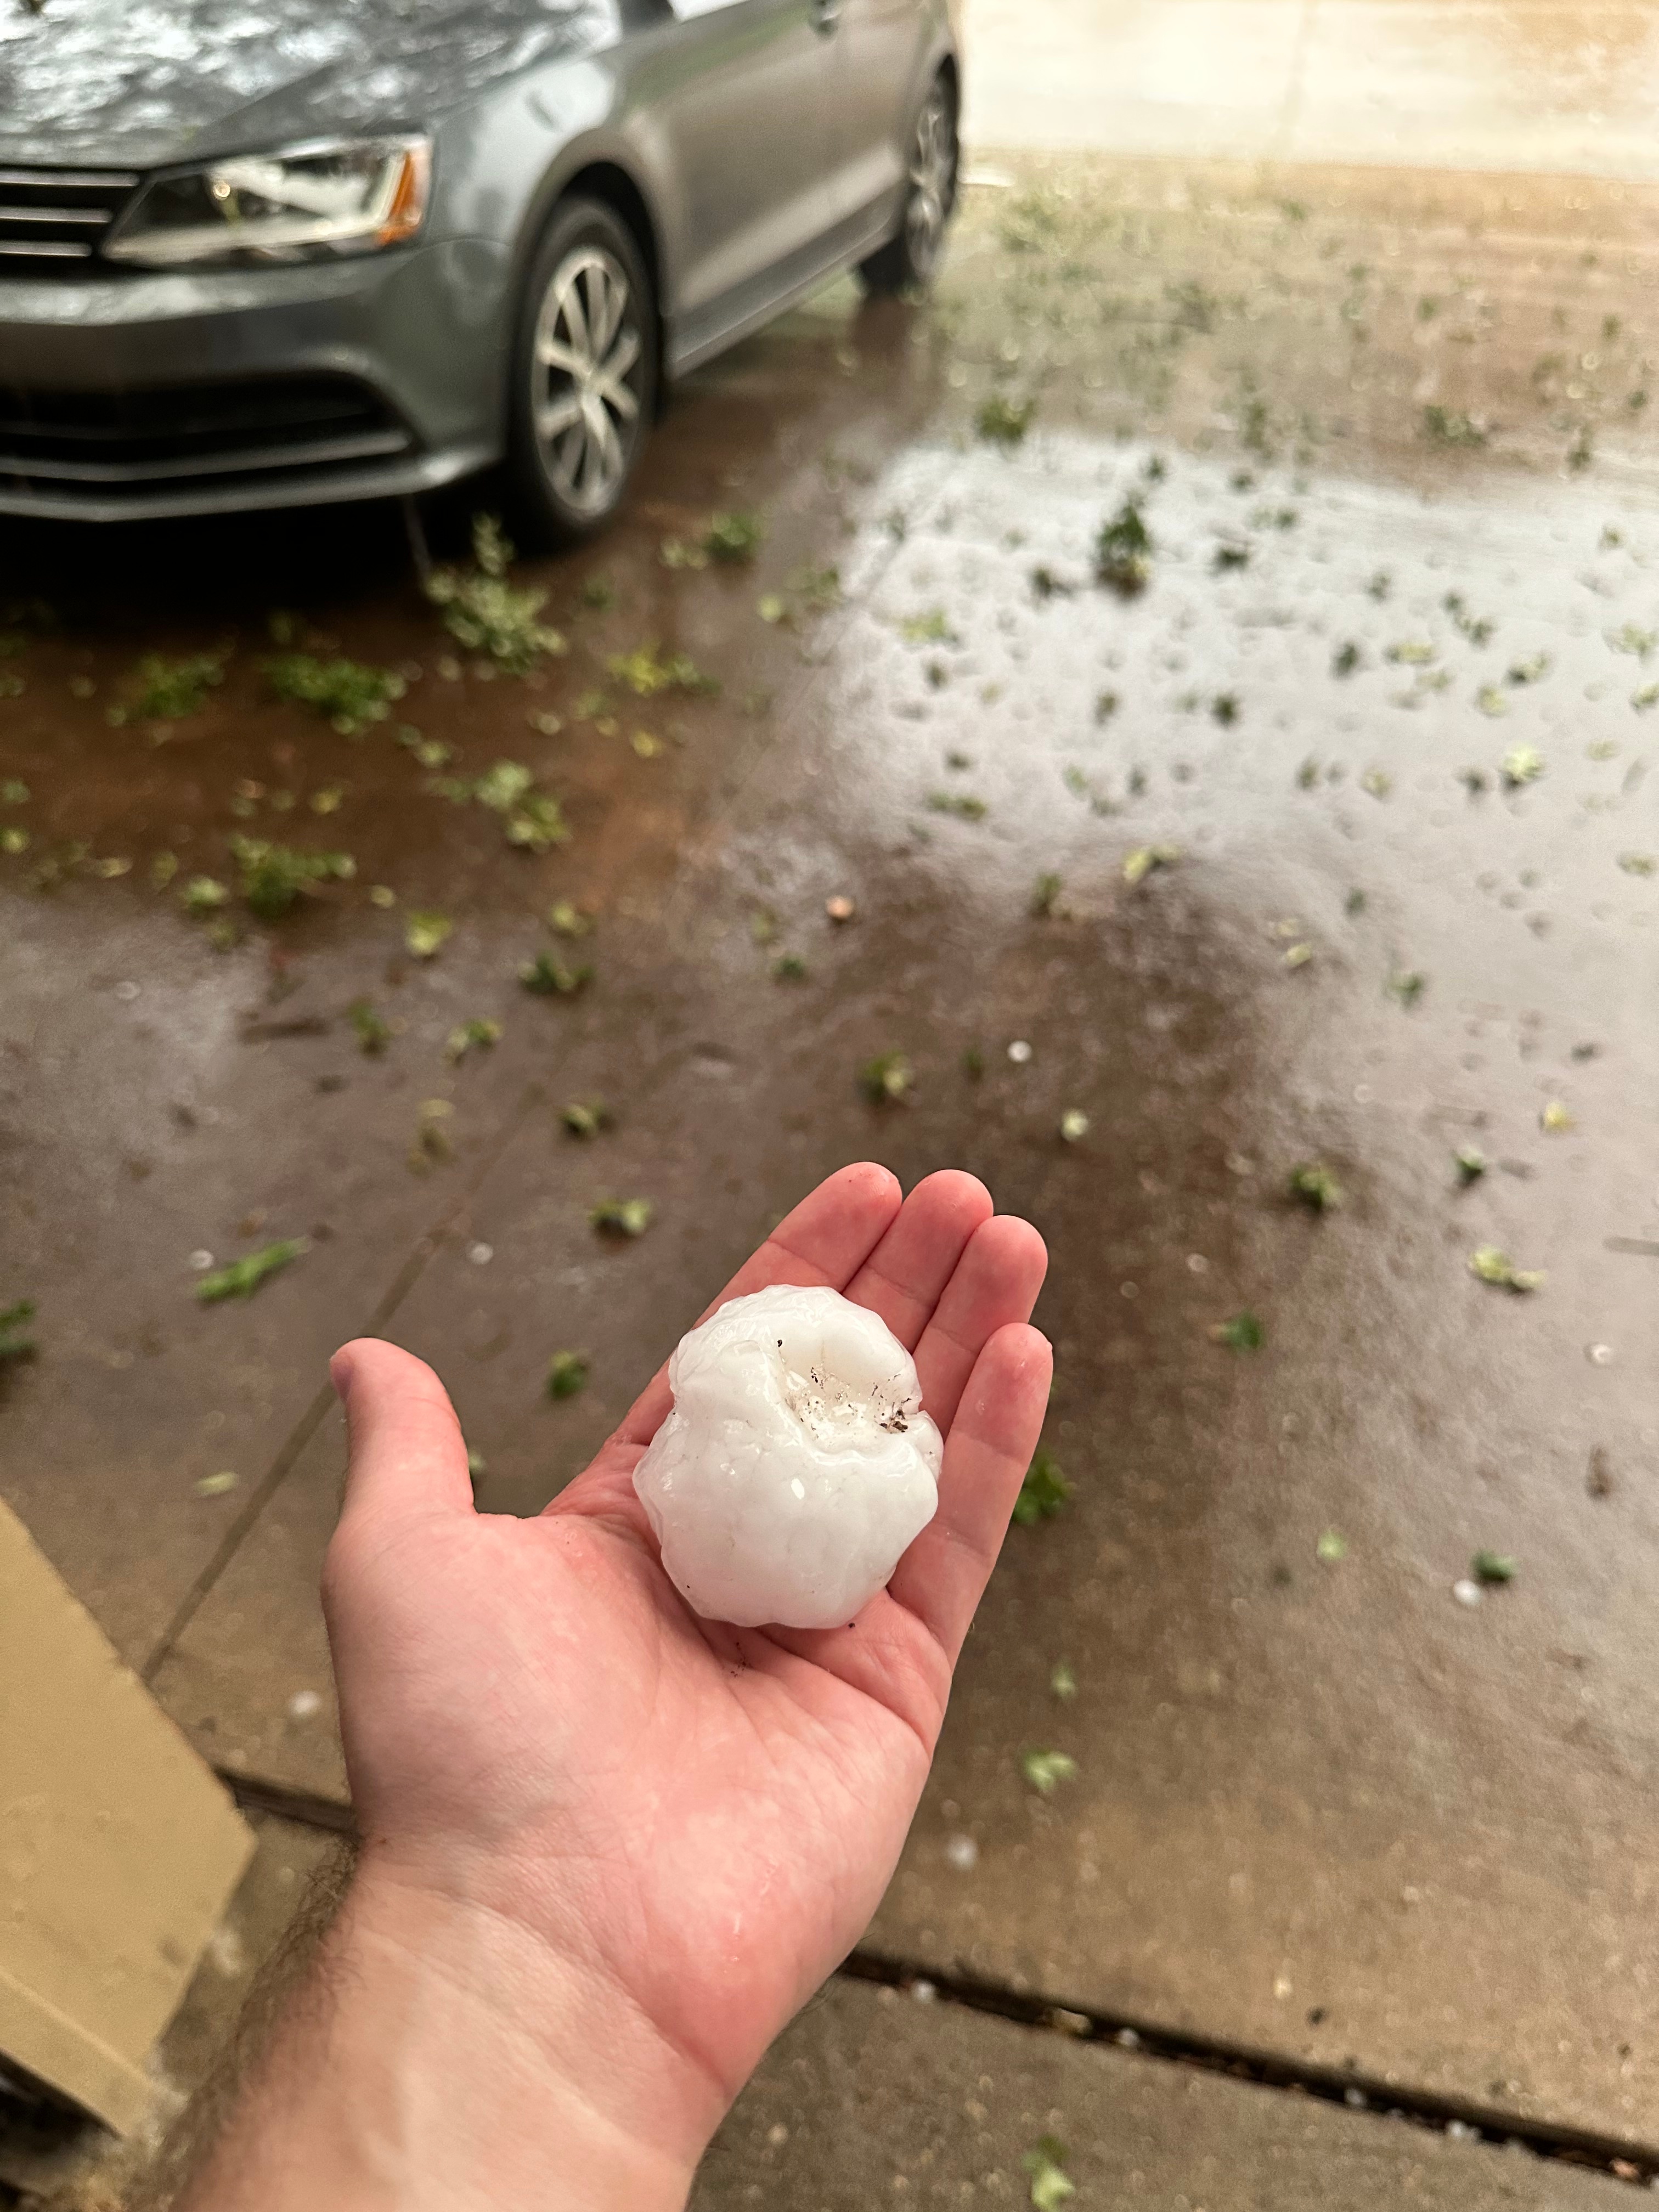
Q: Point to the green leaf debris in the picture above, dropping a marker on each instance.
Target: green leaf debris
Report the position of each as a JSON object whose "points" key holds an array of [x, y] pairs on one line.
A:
{"points": [[1044, 1490], [243, 1277]]}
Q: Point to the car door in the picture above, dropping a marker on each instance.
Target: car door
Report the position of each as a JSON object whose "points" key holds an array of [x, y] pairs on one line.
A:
{"points": [[877, 53], [738, 108]]}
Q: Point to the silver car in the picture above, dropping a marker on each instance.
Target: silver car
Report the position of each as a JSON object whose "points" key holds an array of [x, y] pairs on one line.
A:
{"points": [[261, 255]]}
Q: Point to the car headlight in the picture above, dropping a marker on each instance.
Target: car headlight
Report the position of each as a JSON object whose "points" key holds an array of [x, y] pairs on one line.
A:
{"points": [[310, 200]]}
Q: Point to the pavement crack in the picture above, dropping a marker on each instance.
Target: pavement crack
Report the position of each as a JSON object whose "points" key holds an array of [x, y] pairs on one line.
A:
{"points": [[1463, 2118], [403, 1282]]}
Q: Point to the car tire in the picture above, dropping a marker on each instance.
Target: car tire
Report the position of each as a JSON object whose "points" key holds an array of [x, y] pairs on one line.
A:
{"points": [[584, 376], [909, 258]]}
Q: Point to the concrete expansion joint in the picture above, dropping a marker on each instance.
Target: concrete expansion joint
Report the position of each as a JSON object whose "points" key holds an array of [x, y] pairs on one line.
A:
{"points": [[1461, 2119]]}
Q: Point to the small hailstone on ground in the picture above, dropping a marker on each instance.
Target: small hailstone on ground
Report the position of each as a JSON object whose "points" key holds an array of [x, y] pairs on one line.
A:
{"points": [[1467, 1592], [1019, 1052], [962, 1853], [797, 1465]]}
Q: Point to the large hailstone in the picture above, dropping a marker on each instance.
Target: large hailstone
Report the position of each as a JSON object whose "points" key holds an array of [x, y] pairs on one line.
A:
{"points": [[797, 1464]]}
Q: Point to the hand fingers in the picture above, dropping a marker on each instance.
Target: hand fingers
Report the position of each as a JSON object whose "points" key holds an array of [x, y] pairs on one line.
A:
{"points": [[941, 1577], [826, 1239], [996, 1281], [903, 1277], [406, 1448]]}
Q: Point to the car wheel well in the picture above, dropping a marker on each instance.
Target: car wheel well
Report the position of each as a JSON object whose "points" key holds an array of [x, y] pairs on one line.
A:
{"points": [[604, 181]]}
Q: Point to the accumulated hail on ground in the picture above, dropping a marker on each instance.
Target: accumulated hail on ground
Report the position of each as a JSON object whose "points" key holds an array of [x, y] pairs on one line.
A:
{"points": [[797, 1464], [1338, 685]]}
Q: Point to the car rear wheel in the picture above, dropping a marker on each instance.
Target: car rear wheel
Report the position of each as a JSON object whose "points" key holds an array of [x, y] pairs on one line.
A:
{"points": [[584, 375], [911, 257]]}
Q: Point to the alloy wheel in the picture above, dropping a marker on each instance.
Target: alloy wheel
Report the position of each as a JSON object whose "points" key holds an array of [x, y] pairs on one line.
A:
{"points": [[586, 401], [932, 164]]}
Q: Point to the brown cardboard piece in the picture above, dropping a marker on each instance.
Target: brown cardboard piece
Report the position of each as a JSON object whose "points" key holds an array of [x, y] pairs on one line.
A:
{"points": [[118, 1849]]}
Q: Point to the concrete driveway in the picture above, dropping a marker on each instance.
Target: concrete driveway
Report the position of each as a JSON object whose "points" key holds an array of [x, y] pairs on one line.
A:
{"points": [[1276, 929]]}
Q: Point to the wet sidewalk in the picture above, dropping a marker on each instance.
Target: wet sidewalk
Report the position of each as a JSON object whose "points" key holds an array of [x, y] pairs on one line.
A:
{"points": [[1315, 878], [1506, 85]]}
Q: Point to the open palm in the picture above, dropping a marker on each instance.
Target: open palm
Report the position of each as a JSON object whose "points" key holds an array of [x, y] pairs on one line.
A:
{"points": [[703, 1817]]}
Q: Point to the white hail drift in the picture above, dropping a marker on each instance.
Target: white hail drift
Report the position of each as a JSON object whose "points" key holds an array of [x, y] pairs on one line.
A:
{"points": [[797, 1464]]}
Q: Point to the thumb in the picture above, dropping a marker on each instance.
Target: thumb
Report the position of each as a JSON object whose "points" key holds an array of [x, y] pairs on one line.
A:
{"points": [[406, 1452]]}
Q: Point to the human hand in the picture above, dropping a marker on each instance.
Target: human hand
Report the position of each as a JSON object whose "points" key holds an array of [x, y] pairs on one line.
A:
{"points": [[661, 1832]]}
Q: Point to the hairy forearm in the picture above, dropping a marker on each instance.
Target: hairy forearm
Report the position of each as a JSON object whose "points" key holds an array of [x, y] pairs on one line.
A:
{"points": [[431, 2056]]}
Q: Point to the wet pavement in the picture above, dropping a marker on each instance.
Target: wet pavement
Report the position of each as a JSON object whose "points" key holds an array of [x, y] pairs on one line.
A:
{"points": [[873, 2099], [1351, 812], [1502, 86]]}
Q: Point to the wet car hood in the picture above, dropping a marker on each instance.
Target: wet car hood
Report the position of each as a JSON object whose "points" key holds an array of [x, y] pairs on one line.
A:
{"points": [[144, 81]]}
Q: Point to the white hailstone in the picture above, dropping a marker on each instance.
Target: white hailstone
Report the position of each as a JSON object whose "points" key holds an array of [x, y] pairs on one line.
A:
{"points": [[797, 1464]]}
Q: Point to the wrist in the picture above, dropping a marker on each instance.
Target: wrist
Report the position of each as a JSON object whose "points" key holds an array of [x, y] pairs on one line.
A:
{"points": [[442, 2057], [538, 2060]]}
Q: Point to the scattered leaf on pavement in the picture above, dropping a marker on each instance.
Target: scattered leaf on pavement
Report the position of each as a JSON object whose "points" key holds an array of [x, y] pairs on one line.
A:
{"points": [[243, 1277], [647, 671], [885, 1077], [426, 932], [1495, 1265], [1407, 985], [1123, 552], [274, 876], [1004, 422], [432, 1142], [733, 538], [169, 690], [566, 1374], [548, 976], [1141, 864], [1044, 1490], [1316, 1186], [15, 1342], [479, 1034], [1243, 1333], [623, 1217], [373, 1030], [1051, 2186], [485, 613], [1521, 764], [1046, 1770], [350, 693]]}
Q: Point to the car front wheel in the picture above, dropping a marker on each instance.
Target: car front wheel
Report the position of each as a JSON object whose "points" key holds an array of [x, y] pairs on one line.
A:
{"points": [[911, 257], [584, 375]]}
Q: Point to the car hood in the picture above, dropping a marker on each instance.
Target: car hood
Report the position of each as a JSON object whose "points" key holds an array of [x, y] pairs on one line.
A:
{"points": [[140, 82]]}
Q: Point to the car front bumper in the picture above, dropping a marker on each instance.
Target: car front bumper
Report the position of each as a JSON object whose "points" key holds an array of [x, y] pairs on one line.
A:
{"points": [[124, 397]]}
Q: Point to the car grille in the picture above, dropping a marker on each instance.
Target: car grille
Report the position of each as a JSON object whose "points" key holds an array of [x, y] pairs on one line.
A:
{"points": [[103, 443], [52, 222]]}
